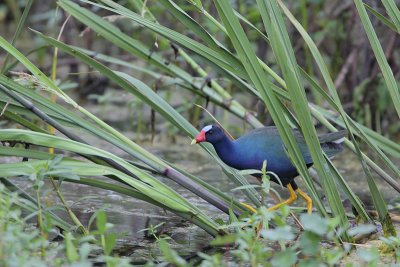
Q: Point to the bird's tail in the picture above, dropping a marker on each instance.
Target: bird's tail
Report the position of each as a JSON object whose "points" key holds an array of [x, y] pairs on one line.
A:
{"points": [[331, 143], [336, 137]]}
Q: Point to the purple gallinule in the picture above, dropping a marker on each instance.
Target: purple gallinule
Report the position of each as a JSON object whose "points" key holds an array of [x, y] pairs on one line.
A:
{"points": [[252, 149]]}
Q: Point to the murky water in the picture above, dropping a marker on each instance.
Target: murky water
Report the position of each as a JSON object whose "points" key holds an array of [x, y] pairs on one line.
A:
{"points": [[130, 215]]}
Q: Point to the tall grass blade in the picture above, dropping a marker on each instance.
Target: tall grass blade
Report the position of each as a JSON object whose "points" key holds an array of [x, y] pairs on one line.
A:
{"points": [[382, 18], [166, 32], [387, 73], [222, 65], [18, 31], [393, 11]]}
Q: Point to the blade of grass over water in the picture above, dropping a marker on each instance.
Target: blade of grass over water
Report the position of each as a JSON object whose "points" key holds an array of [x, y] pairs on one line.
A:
{"points": [[145, 183], [83, 149], [80, 122], [126, 167], [145, 156], [141, 90], [142, 154], [89, 169], [35, 154]]}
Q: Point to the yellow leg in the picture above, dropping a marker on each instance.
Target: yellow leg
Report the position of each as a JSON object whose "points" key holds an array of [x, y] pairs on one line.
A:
{"points": [[250, 208], [307, 199], [253, 210], [288, 201]]}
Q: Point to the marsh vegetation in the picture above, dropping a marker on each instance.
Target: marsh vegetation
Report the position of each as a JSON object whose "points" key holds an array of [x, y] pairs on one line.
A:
{"points": [[100, 99]]}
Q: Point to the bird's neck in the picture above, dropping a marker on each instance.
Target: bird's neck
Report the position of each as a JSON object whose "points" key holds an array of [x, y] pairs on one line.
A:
{"points": [[225, 149]]}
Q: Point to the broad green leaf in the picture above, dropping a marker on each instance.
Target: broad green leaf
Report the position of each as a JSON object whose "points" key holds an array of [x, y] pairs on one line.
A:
{"points": [[314, 224]]}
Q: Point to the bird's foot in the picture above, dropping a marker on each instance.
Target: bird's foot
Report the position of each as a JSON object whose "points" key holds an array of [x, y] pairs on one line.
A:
{"points": [[307, 199], [288, 201]]}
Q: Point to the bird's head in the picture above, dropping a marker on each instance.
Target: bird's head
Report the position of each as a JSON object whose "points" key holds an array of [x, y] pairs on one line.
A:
{"points": [[210, 133]]}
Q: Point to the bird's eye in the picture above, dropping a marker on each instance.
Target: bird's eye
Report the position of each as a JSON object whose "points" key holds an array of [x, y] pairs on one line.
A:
{"points": [[210, 132]]}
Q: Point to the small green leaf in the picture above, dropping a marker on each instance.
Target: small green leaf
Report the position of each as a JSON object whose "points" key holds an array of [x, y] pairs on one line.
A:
{"points": [[249, 172], [84, 250], [278, 234], [101, 221], [285, 258], [111, 240], [309, 243], [314, 223], [72, 254]]}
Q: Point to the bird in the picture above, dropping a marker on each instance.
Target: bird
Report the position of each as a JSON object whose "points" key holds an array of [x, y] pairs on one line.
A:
{"points": [[249, 151]]}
